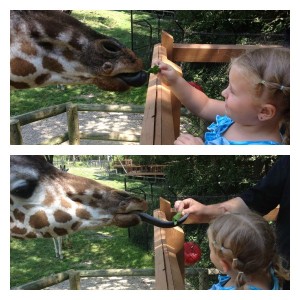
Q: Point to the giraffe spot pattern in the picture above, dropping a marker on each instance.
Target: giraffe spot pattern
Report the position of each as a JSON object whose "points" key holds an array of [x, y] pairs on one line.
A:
{"points": [[64, 203], [94, 203], [83, 214], [48, 200], [17, 230], [21, 67], [46, 235], [68, 54], [39, 220], [61, 216], [42, 78], [31, 235], [60, 231], [19, 85], [20, 216], [28, 48], [46, 45], [75, 226], [52, 64], [97, 195]]}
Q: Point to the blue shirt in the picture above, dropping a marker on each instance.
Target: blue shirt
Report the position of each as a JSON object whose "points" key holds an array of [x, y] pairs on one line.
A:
{"points": [[225, 278], [214, 135]]}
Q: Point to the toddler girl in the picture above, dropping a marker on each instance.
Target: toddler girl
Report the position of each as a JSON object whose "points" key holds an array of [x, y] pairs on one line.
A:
{"points": [[243, 247], [257, 100]]}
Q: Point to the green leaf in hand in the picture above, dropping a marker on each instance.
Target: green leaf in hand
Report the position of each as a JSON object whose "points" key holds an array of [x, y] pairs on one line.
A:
{"points": [[155, 69], [176, 218]]}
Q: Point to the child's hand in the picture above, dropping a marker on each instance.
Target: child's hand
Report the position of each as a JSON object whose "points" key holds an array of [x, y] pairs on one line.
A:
{"points": [[188, 139], [167, 73]]}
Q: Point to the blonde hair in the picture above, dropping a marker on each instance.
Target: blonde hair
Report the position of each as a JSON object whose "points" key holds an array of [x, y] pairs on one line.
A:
{"points": [[246, 241], [271, 67]]}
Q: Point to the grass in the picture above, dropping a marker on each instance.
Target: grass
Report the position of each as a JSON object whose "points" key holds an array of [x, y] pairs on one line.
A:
{"points": [[108, 247], [112, 23]]}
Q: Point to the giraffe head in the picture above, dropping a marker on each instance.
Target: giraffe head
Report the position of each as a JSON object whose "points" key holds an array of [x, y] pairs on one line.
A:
{"points": [[48, 202], [52, 47]]}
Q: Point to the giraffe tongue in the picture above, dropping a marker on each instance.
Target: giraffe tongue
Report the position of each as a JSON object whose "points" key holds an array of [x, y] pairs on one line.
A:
{"points": [[161, 223], [134, 79]]}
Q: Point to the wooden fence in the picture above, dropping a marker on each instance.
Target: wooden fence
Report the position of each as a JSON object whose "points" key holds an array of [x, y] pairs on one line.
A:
{"points": [[72, 133]]}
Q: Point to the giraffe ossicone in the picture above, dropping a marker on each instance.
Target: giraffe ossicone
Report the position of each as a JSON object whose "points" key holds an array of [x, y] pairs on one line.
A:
{"points": [[52, 47], [47, 202]]}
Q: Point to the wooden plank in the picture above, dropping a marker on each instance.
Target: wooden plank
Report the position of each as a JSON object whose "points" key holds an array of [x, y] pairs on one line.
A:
{"points": [[73, 124], [158, 116], [158, 122], [167, 41], [169, 269], [167, 124], [165, 207], [177, 276], [160, 268], [148, 126], [209, 52], [175, 241], [149, 120], [176, 111]]}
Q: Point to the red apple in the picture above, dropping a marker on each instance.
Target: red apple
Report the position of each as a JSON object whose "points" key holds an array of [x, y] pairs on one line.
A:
{"points": [[192, 253]]}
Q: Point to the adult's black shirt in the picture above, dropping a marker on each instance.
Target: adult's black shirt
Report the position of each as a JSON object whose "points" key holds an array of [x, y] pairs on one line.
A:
{"points": [[271, 190]]}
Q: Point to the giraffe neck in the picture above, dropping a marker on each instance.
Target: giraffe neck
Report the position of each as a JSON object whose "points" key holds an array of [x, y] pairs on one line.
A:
{"points": [[51, 47]]}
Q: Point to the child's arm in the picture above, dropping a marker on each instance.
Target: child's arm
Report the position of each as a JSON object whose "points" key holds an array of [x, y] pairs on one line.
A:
{"points": [[188, 139], [194, 100]]}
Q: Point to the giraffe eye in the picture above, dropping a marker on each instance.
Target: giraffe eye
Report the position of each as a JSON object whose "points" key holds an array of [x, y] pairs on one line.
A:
{"points": [[24, 189]]}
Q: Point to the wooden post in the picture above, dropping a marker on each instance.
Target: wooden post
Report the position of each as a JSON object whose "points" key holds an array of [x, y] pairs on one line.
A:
{"points": [[73, 124], [162, 110], [167, 41], [169, 259], [15, 132], [74, 279]]}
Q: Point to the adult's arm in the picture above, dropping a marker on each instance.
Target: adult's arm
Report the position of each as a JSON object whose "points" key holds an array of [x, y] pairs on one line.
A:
{"points": [[200, 213]]}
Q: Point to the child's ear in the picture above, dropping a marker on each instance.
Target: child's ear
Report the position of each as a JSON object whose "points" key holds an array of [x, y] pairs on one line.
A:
{"points": [[267, 112]]}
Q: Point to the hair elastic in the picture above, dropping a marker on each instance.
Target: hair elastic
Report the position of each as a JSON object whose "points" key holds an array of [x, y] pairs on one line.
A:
{"points": [[282, 87], [263, 82]]}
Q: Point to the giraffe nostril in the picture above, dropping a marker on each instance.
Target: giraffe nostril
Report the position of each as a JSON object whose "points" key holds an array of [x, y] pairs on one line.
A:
{"points": [[123, 204], [107, 67]]}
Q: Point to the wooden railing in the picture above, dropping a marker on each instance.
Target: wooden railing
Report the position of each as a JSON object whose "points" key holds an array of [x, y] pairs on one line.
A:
{"points": [[72, 133], [169, 252]]}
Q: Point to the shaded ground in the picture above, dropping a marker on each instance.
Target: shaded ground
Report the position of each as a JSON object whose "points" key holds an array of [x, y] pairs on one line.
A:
{"points": [[110, 283], [102, 122]]}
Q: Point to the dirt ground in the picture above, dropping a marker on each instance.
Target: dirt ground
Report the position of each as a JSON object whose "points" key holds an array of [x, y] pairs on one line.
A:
{"points": [[102, 122], [110, 283]]}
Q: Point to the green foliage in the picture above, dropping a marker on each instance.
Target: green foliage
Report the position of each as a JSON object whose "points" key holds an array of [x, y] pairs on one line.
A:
{"points": [[216, 175], [22, 101], [233, 26], [155, 69]]}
